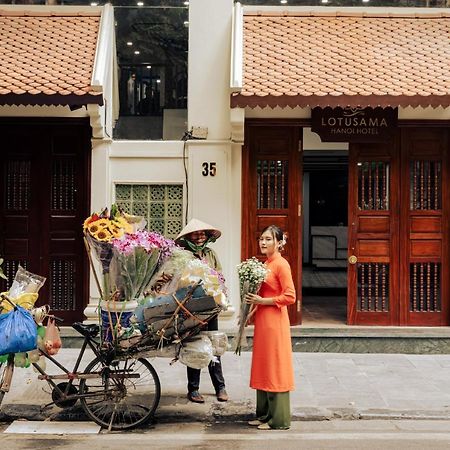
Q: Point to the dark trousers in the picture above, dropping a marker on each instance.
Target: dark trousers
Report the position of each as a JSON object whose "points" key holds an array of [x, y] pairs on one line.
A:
{"points": [[214, 368]]}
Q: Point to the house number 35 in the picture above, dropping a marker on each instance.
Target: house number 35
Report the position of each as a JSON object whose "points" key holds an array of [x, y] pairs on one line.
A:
{"points": [[209, 169]]}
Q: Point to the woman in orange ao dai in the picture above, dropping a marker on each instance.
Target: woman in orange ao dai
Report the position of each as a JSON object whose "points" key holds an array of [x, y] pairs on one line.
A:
{"points": [[272, 373]]}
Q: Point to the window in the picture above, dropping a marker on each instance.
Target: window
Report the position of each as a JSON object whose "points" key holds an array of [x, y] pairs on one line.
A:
{"points": [[160, 204]]}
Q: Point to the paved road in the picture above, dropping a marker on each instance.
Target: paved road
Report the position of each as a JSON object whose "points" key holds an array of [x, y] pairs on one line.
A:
{"points": [[335, 434]]}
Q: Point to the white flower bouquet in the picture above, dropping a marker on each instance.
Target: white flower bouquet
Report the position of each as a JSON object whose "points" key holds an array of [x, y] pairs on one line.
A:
{"points": [[252, 273]]}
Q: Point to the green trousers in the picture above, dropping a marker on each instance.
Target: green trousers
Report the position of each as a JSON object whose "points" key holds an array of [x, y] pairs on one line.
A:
{"points": [[274, 408]]}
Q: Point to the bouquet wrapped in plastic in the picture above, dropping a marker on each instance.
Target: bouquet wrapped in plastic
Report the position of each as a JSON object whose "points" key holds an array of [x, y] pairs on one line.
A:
{"points": [[252, 273], [135, 260], [178, 308]]}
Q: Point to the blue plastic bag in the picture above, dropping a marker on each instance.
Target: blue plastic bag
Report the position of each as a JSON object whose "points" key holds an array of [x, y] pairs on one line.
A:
{"points": [[18, 331]]}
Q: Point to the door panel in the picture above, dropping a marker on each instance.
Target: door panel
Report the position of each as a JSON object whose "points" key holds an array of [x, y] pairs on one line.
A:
{"points": [[272, 192], [44, 199], [424, 239], [373, 242]]}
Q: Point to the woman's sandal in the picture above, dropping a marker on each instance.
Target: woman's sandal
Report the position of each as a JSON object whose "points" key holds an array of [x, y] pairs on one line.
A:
{"points": [[255, 423]]}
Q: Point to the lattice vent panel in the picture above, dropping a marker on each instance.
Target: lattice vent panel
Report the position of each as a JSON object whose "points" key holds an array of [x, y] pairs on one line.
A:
{"points": [[425, 287], [373, 287], [62, 276], [373, 185], [272, 184]]}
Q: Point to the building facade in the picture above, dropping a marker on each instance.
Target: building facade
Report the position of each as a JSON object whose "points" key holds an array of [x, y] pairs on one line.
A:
{"points": [[364, 197]]}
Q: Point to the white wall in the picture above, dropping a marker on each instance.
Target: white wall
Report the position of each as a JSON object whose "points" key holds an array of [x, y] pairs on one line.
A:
{"points": [[209, 66]]}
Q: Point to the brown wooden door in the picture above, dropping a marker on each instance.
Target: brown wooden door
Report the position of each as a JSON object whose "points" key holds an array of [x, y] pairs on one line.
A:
{"points": [[44, 197], [424, 227], [272, 190], [398, 230], [373, 234]]}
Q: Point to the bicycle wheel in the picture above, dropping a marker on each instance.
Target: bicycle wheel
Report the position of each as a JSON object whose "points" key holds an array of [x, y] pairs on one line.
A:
{"points": [[6, 374], [2, 372], [125, 395]]}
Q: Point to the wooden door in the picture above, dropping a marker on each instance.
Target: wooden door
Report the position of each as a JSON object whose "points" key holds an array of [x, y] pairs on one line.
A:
{"points": [[398, 230], [424, 227], [272, 192], [373, 295], [44, 197]]}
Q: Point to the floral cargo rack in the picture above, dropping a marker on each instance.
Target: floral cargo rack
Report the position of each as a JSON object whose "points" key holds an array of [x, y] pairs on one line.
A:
{"points": [[154, 296]]}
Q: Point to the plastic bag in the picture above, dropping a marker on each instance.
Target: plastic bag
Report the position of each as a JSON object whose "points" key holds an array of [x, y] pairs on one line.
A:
{"points": [[18, 331], [219, 341], [25, 283], [52, 340], [197, 353], [26, 301]]}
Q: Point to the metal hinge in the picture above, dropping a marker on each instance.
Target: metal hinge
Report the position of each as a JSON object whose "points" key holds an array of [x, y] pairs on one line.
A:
{"points": [[299, 210]]}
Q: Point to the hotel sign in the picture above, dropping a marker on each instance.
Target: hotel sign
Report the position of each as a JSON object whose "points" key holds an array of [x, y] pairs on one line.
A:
{"points": [[354, 124]]}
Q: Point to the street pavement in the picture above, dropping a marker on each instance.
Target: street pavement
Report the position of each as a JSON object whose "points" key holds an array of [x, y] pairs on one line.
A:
{"points": [[328, 386]]}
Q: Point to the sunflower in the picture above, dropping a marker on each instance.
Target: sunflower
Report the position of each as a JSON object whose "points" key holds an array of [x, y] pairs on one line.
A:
{"points": [[90, 219], [103, 235], [122, 223], [116, 231], [93, 227], [103, 223]]}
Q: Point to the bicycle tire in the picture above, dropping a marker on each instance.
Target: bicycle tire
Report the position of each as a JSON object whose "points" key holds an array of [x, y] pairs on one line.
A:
{"points": [[3, 367], [117, 402]]}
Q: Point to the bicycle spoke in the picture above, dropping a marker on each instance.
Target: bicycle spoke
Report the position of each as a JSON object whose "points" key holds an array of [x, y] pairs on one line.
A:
{"points": [[121, 399]]}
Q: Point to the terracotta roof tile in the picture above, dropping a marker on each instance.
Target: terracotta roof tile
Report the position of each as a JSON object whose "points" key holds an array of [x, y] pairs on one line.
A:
{"points": [[47, 59], [319, 59]]}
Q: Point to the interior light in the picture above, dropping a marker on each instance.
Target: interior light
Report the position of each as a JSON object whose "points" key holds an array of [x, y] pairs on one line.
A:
{"points": [[149, 67], [324, 1], [185, 23], [158, 80], [94, 3], [140, 3], [136, 52], [283, 2], [365, 1], [129, 43], [186, 3]]}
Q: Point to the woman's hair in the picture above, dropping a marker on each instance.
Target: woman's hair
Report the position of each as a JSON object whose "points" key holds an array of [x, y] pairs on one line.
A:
{"points": [[277, 233]]}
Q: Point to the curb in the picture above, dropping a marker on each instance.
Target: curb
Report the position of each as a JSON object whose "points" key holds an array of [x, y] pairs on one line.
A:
{"points": [[218, 412]]}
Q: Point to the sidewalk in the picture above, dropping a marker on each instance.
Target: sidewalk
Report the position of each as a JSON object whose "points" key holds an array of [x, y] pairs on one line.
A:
{"points": [[328, 385]]}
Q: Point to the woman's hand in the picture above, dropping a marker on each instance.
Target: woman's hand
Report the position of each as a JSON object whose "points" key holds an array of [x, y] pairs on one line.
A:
{"points": [[254, 299]]}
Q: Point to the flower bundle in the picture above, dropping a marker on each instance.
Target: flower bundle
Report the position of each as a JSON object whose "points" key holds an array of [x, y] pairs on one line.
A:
{"points": [[251, 273], [100, 229], [211, 280], [136, 257]]}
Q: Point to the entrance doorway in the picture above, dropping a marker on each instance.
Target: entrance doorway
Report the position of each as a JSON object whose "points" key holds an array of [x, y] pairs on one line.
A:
{"points": [[324, 281]]}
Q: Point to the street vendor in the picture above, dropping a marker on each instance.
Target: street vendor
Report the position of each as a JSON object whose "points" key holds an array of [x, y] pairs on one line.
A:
{"points": [[195, 237]]}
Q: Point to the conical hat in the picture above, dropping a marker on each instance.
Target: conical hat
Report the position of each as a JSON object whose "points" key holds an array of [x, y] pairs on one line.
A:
{"points": [[198, 225]]}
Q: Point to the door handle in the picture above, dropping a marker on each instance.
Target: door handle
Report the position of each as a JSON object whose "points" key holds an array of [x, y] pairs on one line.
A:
{"points": [[352, 259]]}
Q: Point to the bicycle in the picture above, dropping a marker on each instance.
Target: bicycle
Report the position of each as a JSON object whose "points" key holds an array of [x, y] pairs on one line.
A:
{"points": [[117, 391]]}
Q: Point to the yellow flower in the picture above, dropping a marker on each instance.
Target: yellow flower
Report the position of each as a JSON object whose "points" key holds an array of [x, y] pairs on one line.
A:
{"points": [[93, 227], [116, 231], [103, 223], [122, 223], [103, 235]]}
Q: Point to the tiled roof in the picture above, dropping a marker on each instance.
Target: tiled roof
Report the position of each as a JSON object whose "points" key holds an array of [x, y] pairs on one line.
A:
{"points": [[345, 60], [47, 59]]}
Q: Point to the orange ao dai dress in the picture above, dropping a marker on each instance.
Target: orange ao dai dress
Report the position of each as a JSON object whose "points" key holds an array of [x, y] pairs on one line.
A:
{"points": [[272, 369]]}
